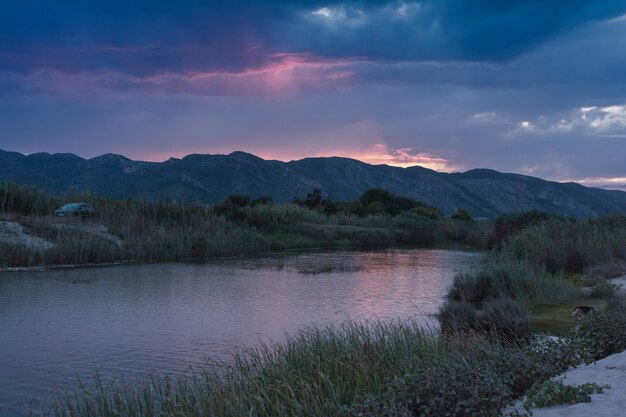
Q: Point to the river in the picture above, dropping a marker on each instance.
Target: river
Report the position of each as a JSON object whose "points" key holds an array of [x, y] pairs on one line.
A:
{"points": [[127, 321]]}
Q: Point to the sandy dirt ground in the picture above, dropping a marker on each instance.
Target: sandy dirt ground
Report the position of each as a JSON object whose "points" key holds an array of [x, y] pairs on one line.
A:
{"points": [[96, 229], [621, 282], [13, 233]]}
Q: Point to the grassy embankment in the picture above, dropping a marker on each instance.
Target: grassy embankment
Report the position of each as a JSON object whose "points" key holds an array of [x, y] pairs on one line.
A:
{"points": [[165, 231], [542, 269], [482, 360]]}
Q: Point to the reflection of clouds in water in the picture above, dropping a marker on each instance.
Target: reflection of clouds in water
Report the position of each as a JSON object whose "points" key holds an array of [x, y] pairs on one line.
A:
{"points": [[133, 319], [326, 269]]}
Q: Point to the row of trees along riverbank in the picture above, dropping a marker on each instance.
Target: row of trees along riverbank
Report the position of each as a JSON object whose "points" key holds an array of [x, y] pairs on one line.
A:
{"points": [[169, 231]]}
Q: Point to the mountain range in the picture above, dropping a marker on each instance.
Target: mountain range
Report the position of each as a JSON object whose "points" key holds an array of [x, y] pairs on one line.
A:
{"points": [[207, 179]]}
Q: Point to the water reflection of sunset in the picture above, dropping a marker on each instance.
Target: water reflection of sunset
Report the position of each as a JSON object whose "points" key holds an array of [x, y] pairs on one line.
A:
{"points": [[412, 278], [170, 317]]}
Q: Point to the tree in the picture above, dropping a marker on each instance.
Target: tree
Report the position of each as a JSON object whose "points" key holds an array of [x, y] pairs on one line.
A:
{"points": [[463, 215], [314, 198]]}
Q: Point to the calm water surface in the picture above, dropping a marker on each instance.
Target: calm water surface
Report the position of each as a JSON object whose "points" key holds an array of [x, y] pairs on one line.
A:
{"points": [[127, 321]]}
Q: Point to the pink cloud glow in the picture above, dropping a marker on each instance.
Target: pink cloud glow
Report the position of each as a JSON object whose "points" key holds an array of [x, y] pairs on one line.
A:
{"points": [[611, 183], [404, 157], [282, 75], [376, 155]]}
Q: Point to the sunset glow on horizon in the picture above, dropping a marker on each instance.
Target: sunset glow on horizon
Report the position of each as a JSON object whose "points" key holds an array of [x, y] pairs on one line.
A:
{"points": [[535, 88]]}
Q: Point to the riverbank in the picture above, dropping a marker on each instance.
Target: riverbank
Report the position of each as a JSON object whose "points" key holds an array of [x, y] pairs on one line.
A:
{"points": [[26, 252], [142, 231]]}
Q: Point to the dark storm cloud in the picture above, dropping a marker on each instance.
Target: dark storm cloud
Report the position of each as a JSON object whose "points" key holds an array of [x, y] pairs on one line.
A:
{"points": [[146, 37], [484, 30], [536, 87]]}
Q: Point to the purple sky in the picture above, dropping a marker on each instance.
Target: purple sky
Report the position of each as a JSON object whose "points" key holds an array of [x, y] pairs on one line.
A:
{"points": [[534, 87]]}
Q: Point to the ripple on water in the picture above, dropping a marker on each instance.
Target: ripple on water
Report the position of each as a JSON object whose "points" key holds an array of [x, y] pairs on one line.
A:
{"points": [[127, 321]]}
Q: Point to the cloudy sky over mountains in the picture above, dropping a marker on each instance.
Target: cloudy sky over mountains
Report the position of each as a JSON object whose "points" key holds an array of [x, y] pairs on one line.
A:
{"points": [[535, 87]]}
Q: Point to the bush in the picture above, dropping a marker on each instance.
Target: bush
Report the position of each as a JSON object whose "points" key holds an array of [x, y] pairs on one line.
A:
{"points": [[602, 288], [507, 318], [25, 200], [567, 245], [457, 317], [452, 386], [503, 278], [550, 392], [511, 224], [615, 304], [503, 318], [463, 216], [475, 378], [600, 335]]}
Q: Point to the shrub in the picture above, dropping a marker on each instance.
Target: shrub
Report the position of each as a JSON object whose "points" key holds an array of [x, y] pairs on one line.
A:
{"points": [[507, 318], [503, 278], [503, 318], [559, 244], [600, 335], [510, 224], [25, 200], [475, 378], [463, 216], [452, 386], [615, 304], [521, 367], [457, 317], [602, 289], [429, 212], [547, 393]]}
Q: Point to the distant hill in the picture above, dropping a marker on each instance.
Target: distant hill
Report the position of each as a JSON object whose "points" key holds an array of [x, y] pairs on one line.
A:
{"points": [[208, 179]]}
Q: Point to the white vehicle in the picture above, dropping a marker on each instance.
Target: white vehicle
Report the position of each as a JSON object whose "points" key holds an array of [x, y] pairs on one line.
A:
{"points": [[75, 209]]}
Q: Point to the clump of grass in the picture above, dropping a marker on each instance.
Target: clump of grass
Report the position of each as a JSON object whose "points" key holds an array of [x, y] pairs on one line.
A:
{"points": [[373, 369], [501, 318], [607, 270], [313, 373], [518, 280], [567, 245], [556, 319]]}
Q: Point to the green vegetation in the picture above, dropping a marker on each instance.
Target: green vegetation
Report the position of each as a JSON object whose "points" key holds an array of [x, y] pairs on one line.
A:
{"points": [[539, 264], [166, 231], [601, 335], [556, 319], [378, 369], [550, 392], [569, 245], [463, 215]]}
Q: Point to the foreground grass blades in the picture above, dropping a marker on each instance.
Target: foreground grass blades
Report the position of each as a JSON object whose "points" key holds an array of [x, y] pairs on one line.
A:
{"points": [[374, 369]]}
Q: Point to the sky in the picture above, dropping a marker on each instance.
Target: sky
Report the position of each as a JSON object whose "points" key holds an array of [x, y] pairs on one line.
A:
{"points": [[536, 87]]}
